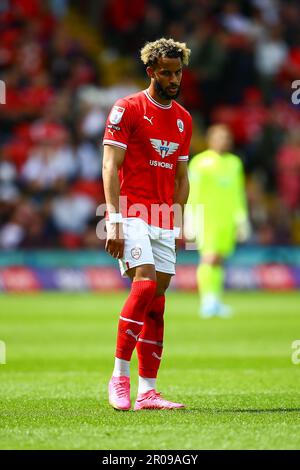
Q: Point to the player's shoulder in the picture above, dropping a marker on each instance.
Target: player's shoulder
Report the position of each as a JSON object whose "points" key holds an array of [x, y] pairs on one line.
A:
{"points": [[131, 101], [129, 106], [182, 111]]}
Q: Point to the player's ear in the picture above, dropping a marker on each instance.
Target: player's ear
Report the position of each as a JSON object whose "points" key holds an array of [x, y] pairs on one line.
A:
{"points": [[150, 72]]}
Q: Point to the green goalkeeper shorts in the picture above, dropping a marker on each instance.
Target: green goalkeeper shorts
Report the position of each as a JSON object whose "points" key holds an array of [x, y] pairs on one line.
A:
{"points": [[217, 240]]}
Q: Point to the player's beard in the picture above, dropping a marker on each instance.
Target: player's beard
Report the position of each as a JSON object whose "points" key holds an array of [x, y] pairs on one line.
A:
{"points": [[162, 93]]}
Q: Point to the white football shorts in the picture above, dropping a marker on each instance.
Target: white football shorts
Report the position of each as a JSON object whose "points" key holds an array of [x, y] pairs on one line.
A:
{"points": [[147, 244]]}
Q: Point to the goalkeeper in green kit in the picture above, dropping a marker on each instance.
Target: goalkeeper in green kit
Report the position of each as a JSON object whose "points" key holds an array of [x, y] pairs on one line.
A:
{"points": [[217, 187]]}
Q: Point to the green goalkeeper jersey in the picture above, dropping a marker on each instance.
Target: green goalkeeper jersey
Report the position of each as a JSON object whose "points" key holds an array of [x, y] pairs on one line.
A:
{"points": [[217, 183]]}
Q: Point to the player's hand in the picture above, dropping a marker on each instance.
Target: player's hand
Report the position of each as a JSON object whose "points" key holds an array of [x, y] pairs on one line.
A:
{"points": [[177, 237], [115, 240]]}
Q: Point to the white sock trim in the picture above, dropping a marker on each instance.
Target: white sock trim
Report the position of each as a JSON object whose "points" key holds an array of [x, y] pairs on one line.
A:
{"points": [[146, 384], [122, 368]]}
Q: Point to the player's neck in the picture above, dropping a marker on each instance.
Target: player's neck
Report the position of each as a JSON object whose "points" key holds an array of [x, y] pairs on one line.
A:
{"points": [[153, 93]]}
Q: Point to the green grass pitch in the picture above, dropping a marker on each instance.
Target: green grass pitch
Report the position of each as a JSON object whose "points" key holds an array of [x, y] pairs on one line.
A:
{"points": [[235, 376]]}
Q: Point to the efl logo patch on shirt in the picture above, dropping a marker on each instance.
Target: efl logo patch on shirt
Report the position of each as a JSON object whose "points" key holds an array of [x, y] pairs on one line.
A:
{"points": [[116, 114]]}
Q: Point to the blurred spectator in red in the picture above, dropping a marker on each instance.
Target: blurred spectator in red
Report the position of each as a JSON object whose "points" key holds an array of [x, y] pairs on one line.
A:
{"points": [[288, 170], [245, 120], [123, 20]]}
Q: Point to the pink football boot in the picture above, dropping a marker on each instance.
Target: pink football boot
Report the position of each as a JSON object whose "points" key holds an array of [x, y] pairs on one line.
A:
{"points": [[119, 393], [153, 401]]}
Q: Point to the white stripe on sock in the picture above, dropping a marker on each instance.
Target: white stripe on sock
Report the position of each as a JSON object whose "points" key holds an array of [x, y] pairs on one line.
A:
{"points": [[132, 321], [148, 341]]}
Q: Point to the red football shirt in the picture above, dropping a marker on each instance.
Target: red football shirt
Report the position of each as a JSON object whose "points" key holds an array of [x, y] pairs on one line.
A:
{"points": [[155, 138]]}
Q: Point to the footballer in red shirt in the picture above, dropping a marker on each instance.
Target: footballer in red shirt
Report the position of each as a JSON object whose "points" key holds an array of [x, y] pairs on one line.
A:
{"points": [[146, 148]]}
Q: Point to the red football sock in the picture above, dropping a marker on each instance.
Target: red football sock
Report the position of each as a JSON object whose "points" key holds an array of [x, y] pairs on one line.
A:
{"points": [[150, 343], [132, 317]]}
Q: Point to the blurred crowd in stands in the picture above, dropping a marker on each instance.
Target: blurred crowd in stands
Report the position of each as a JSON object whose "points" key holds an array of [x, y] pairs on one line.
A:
{"points": [[63, 69]]}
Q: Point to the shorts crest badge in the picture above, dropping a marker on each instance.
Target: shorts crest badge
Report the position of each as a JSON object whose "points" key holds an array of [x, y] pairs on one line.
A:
{"points": [[136, 252]]}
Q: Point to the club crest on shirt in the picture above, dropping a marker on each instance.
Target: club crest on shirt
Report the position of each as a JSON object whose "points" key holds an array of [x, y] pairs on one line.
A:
{"points": [[136, 252], [180, 125], [163, 147], [116, 114]]}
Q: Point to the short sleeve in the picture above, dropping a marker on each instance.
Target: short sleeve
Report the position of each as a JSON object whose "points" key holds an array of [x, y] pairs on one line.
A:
{"points": [[118, 124], [185, 147]]}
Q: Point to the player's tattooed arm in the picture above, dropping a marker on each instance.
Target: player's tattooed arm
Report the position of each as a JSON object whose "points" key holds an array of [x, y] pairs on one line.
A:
{"points": [[181, 194], [113, 158]]}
